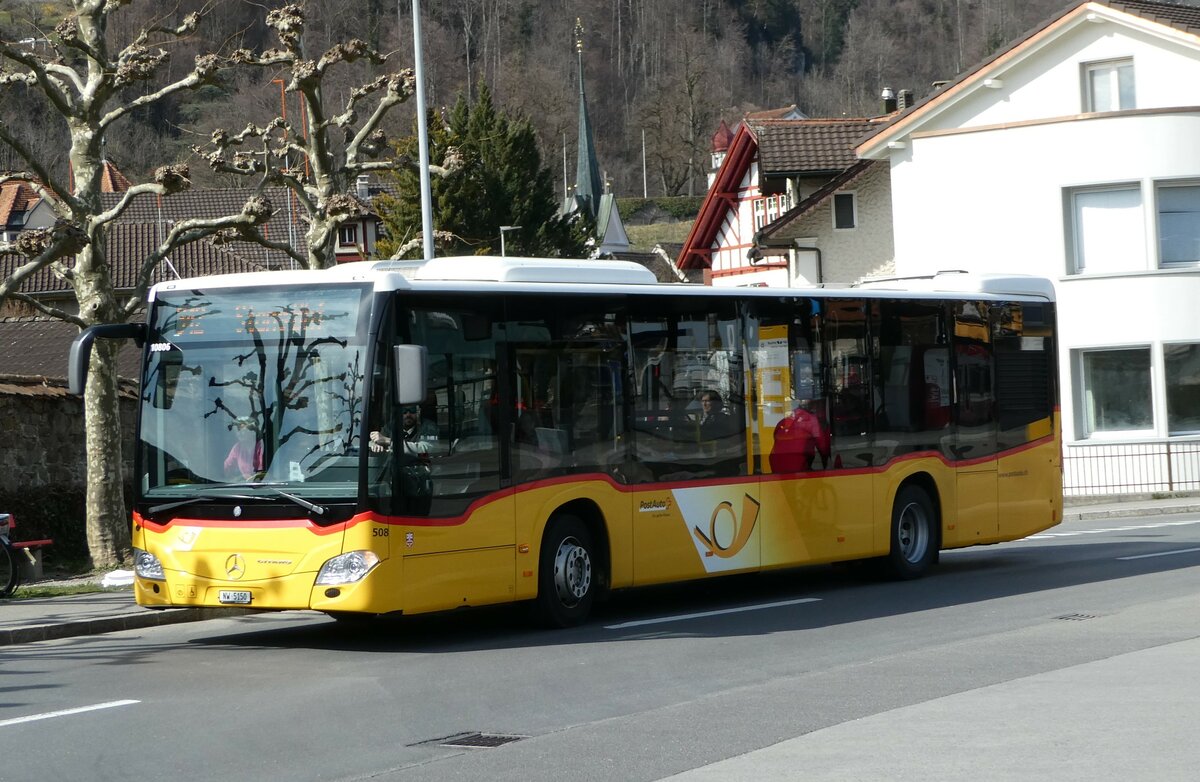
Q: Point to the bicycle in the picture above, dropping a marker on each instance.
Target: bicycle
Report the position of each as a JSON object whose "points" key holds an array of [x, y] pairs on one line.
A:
{"points": [[10, 571]]}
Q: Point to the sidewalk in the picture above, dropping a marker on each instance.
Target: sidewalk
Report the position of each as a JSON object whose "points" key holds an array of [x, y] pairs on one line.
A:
{"points": [[42, 619], [47, 618], [1127, 717]]}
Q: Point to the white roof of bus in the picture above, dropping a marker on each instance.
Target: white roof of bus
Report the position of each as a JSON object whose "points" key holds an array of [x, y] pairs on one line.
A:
{"points": [[966, 282], [478, 273]]}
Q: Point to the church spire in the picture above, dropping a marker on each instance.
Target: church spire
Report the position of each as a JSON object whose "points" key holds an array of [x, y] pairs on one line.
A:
{"points": [[588, 185]]}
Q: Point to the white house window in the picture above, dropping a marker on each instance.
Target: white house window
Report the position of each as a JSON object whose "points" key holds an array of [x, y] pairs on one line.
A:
{"points": [[348, 235], [1108, 85], [1178, 224], [1116, 394], [845, 212], [1108, 231], [1181, 364], [760, 213]]}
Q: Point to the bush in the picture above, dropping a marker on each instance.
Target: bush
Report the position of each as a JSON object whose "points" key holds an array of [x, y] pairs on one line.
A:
{"points": [[675, 208]]}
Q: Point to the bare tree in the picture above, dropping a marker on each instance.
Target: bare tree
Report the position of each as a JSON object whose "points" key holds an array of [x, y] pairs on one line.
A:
{"points": [[321, 160], [87, 84]]}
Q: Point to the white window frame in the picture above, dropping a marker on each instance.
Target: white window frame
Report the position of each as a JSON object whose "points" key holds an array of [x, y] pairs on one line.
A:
{"points": [[1159, 187], [759, 208], [343, 230], [1133, 234], [853, 195], [1113, 68], [1084, 412]]}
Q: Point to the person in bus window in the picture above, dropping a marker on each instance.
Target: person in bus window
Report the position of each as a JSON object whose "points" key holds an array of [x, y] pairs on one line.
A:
{"points": [[714, 423], [799, 437], [415, 432], [245, 458]]}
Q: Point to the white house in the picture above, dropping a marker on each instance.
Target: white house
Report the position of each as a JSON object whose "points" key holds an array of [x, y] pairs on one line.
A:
{"points": [[1075, 154], [790, 204]]}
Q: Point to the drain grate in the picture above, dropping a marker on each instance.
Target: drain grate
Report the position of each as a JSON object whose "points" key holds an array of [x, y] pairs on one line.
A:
{"points": [[475, 740], [1077, 617]]}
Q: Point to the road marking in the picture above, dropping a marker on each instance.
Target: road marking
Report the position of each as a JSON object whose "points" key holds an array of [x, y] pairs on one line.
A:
{"points": [[1074, 533], [703, 614], [52, 714], [1161, 554]]}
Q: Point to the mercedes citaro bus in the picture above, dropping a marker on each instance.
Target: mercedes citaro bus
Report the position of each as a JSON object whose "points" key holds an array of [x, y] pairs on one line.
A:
{"points": [[408, 437]]}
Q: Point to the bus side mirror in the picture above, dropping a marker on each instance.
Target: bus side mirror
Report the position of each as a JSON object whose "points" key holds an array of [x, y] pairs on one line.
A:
{"points": [[410, 374], [81, 349]]}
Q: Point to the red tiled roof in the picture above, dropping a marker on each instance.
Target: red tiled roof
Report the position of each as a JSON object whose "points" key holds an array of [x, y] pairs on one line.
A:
{"points": [[111, 179], [809, 145], [722, 137], [16, 197]]}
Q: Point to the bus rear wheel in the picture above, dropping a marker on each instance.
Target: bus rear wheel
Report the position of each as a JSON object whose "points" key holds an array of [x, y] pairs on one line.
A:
{"points": [[566, 574], [914, 534]]}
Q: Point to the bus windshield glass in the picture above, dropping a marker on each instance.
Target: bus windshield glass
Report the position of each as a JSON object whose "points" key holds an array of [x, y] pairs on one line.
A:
{"points": [[254, 388]]}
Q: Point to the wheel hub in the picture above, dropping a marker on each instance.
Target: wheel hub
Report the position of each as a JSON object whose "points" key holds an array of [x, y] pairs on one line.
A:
{"points": [[572, 572]]}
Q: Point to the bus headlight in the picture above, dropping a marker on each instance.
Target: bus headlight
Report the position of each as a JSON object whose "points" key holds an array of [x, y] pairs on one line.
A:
{"points": [[347, 568], [146, 565]]}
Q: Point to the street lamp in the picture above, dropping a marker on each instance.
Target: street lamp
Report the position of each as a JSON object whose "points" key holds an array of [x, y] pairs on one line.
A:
{"points": [[503, 229]]}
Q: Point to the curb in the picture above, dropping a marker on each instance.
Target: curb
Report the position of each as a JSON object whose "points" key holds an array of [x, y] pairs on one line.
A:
{"points": [[112, 624], [1116, 513]]}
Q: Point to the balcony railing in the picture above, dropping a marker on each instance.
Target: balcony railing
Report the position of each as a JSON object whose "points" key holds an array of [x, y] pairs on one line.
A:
{"points": [[1131, 468]]}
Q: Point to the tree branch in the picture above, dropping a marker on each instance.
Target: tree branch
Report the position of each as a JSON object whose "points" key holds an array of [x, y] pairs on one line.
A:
{"points": [[43, 246], [49, 84], [202, 73], [45, 309], [255, 212]]}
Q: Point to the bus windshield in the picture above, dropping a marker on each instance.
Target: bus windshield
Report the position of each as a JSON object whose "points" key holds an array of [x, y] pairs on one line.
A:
{"points": [[253, 389]]}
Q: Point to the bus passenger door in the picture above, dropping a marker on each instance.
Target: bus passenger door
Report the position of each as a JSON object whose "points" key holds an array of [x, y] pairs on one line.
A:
{"points": [[696, 508], [974, 442]]}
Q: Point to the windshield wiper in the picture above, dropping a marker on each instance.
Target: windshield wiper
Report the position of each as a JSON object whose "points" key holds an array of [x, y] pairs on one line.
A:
{"points": [[303, 503], [180, 503], [312, 507]]}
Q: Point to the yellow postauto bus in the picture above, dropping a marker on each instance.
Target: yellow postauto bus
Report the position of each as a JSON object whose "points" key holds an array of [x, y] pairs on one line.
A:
{"points": [[411, 437]]}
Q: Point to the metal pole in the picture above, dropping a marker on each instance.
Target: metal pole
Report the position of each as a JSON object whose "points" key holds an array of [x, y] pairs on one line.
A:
{"points": [[645, 189], [503, 230], [422, 134]]}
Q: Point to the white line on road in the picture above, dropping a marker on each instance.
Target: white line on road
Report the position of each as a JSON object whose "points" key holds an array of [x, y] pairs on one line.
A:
{"points": [[1161, 554], [702, 614], [52, 714], [1073, 533]]}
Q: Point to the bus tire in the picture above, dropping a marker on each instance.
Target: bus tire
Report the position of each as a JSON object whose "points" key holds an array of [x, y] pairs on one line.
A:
{"points": [[567, 582], [914, 534]]}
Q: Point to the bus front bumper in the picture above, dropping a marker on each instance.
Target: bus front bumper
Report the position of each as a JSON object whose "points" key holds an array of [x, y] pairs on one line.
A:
{"points": [[296, 591]]}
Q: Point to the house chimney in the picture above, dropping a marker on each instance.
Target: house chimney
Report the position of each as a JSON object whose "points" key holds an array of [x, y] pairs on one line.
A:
{"points": [[361, 187], [889, 100], [905, 100]]}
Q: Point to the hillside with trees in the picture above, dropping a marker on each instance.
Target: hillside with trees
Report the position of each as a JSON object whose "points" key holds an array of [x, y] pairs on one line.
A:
{"points": [[668, 69]]}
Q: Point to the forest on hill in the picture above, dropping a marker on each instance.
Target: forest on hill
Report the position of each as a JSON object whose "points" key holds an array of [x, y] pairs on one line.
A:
{"points": [[659, 74]]}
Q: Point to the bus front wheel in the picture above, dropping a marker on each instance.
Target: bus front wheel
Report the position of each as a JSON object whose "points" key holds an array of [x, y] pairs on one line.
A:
{"points": [[566, 573], [914, 534]]}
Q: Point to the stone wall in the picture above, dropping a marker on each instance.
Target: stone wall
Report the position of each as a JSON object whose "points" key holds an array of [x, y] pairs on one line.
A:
{"points": [[43, 464]]}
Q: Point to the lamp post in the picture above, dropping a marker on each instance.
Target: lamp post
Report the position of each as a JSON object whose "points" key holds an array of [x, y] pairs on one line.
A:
{"points": [[422, 134], [503, 230]]}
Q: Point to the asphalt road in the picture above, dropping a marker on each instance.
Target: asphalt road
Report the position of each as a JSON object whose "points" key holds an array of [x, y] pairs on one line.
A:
{"points": [[662, 681]]}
